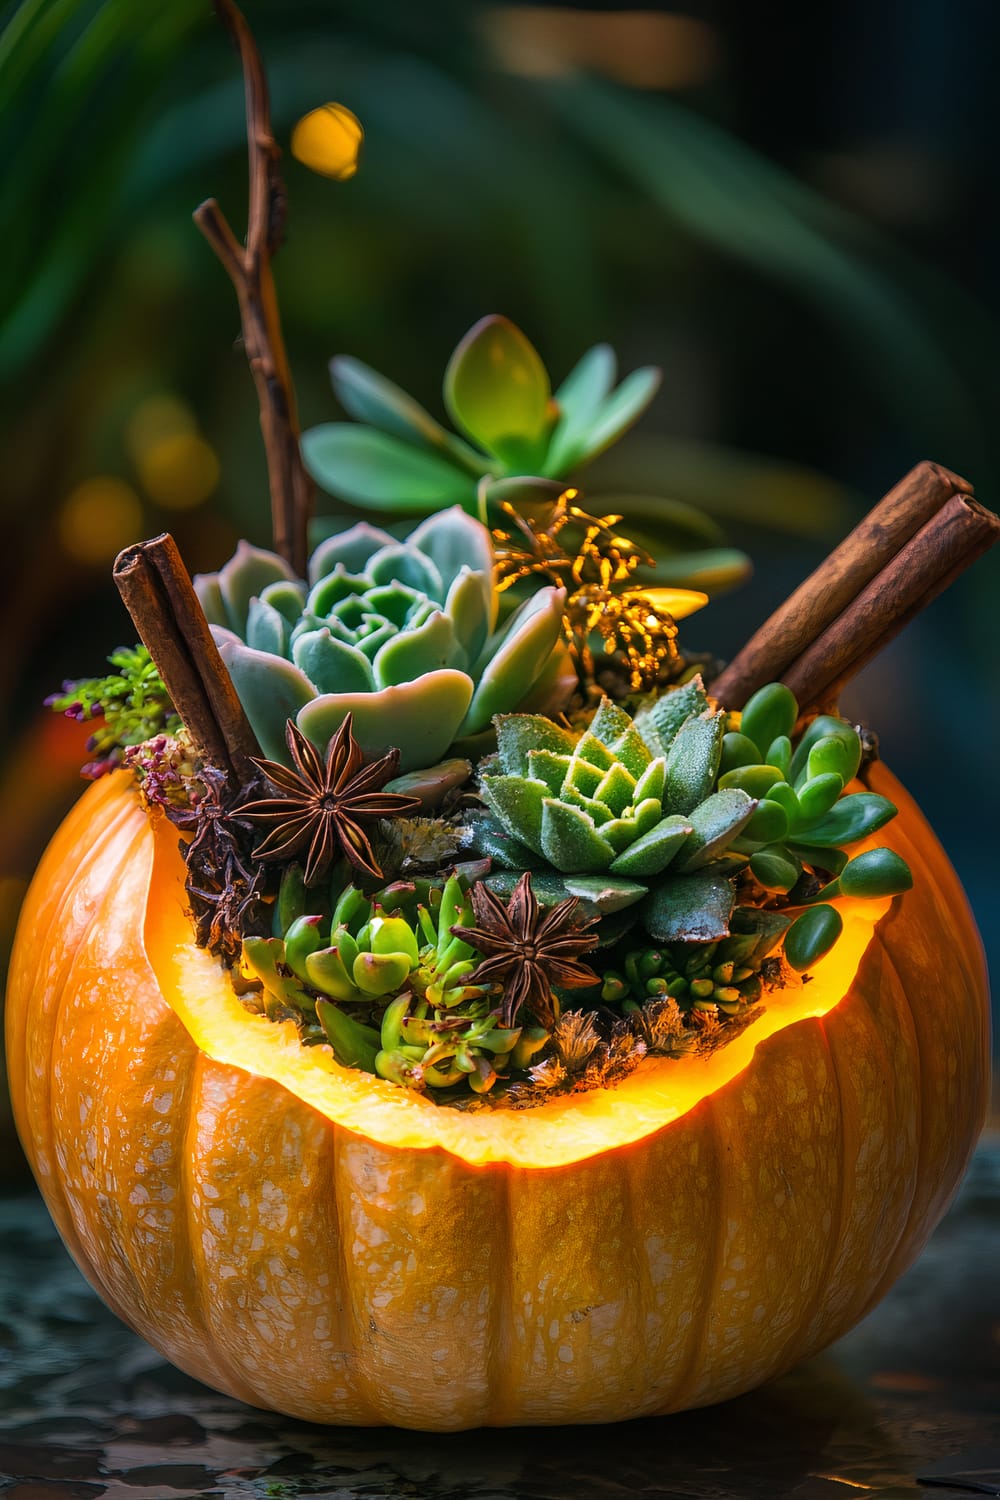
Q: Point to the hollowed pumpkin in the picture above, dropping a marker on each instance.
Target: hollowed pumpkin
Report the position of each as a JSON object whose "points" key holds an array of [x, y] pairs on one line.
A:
{"points": [[343, 1251]]}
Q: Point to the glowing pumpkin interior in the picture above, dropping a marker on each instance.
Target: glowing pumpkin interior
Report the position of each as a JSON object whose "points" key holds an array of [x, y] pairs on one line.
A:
{"points": [[567, 1128]]}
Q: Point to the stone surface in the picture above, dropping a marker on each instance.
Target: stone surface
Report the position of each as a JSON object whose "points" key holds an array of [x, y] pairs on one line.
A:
{"points": [[906, 1405]]}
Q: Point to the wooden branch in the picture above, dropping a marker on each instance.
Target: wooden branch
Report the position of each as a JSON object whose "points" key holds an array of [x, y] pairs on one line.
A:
{"points": [[249, 269], [160, 597], [827, 592], [932, 559]]}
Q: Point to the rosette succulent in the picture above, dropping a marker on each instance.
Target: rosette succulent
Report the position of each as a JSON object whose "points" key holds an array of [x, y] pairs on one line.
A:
{"points": [[403, 635], [612, 808]]}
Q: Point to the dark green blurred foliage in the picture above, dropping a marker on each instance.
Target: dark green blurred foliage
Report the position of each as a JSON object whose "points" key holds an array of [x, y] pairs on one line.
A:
{"points": [[810, 357]]}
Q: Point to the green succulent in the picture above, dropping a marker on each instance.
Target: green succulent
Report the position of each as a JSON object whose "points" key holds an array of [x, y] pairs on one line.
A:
{"points": [[612, 809], [804, 820], [403, 635], [386, 984], [724, 975], [498, 394], [656, 819], [516, 435]]}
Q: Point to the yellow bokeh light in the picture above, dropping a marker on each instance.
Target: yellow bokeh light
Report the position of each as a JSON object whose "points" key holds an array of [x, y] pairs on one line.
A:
{"points": [[178, 470], [155, 418], [100, 517], [329, 140]]}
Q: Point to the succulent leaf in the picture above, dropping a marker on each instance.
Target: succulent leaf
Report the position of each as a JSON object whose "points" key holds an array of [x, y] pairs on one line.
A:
{"points": [[689, 908], [496, 390], [376, 471]]}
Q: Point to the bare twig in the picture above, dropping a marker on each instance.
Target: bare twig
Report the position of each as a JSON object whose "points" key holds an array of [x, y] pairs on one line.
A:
{"points": [[249, 269]]}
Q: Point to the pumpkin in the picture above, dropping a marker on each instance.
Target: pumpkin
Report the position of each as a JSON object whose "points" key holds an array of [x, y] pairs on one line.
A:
{"points": [[328, 1245]]}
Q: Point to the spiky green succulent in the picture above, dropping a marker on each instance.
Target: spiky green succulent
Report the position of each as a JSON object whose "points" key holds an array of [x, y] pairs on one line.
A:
{"points": [[659, 817], [614, 809], [404, 635], [385, 982]]}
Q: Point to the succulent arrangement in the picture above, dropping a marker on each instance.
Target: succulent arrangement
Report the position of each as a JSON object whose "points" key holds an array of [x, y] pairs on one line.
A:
{"points": [[611, 879]]}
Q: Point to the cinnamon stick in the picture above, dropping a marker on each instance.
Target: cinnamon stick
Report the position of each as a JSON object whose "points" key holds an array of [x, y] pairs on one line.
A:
{"points": [[932, 559], [827, 592], [249, 269], [160, 597]]}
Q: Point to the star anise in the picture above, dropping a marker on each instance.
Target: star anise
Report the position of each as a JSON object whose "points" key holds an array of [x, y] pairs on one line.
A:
{"points": [[323, 806], [528, 951]]}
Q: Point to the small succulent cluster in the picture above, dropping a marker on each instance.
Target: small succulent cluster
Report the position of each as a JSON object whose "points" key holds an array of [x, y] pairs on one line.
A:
{"points": [[394, 988], [403, 635]]}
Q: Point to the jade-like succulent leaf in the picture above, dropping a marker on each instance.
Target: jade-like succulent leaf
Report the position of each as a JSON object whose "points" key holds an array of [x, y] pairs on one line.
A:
{"points": [[267, 630], [689, 908], [769, 713], [496, 390], [821, 728], [287, 598], [623, 407], [818, 795], [351, 548], [571, 842], [421, 717], [518, 653], [244, 577], [715, 822], [775, 868], [519, 734], [412, 653], [271, 690], [651, 854], [370, 397], [376, 471], [402, 563], [851, 819], [453, 541], [332, 666], [579, 399], [693, 762], [812, 935], [468, 606], [768, 823]]}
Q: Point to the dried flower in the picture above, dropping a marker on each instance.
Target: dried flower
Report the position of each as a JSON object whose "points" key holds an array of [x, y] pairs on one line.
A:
{"points": [[324, 805], [528, 951]]}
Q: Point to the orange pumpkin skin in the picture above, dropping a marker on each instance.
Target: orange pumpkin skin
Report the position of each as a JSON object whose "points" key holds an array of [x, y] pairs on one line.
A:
{"points": [[304, 1267]]}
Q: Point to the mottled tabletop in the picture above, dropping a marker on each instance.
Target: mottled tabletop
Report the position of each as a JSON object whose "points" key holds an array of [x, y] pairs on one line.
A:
{"points": [[908, 1404]]}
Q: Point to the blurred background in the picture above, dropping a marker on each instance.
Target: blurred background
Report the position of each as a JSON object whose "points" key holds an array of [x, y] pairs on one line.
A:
{"points": [[792, 209]]}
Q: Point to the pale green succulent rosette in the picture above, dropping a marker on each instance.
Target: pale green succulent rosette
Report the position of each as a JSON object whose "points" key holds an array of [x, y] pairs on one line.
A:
{"points": [[403, 635]]}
